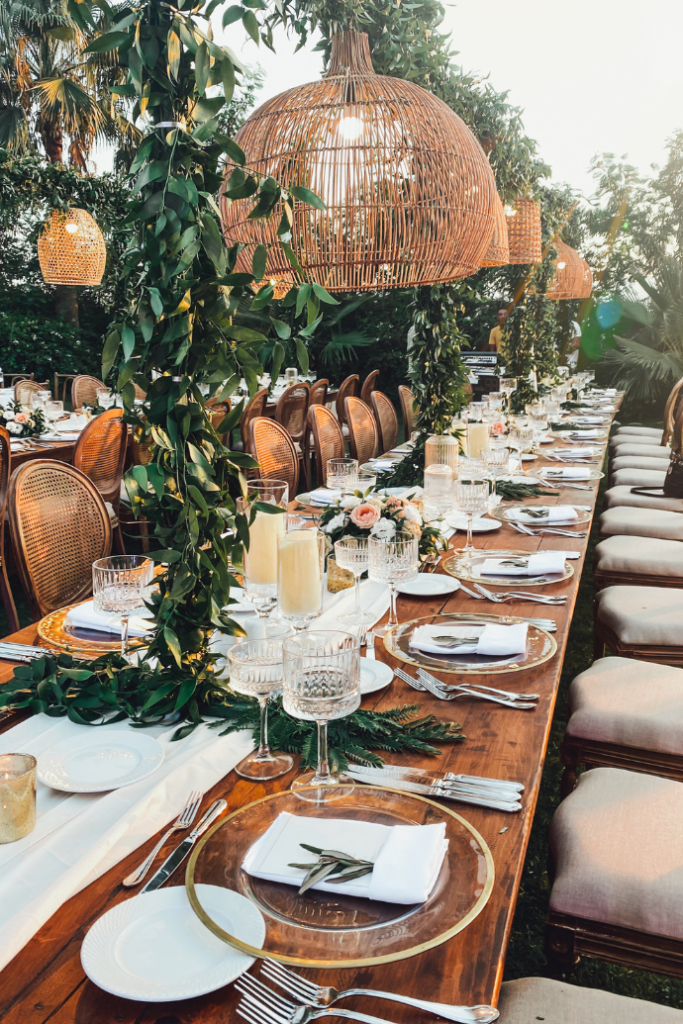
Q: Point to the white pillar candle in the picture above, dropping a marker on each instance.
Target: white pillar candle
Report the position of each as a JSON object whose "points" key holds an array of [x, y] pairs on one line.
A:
{"points": [[477, 439], [260, 561], [299, 573]]}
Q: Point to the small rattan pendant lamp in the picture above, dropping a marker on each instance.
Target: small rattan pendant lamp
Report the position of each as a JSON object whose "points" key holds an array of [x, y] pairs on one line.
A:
{"points": [[410, 196], [524, 231], [498, 252], [71, 249], [573, 278]]}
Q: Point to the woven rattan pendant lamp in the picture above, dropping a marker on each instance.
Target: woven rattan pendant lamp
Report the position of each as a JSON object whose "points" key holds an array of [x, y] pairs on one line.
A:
{"points": [[71, 249], [524, 231], [498, 252], [573, 278], [410, 195]]}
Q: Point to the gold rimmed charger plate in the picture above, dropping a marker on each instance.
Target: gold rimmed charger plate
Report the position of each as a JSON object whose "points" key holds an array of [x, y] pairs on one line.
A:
{"points": [[52, 628], [465, 567], [321, 929], [541, 646], [503, 513], [546, 474]]}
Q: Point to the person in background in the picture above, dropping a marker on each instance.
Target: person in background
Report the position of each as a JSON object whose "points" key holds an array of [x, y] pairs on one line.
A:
{"points": [[574, 346], [496, 335]]}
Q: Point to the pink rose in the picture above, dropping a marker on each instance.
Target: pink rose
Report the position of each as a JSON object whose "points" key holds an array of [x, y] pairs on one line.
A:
{"points": [[21, 417], [365, 516], [394, 502]]}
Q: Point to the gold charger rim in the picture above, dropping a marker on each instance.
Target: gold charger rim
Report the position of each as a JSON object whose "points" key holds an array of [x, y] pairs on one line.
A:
{"points": [[460, 671], [388, 958], [500, 512], [509, 581], [54, 621]]}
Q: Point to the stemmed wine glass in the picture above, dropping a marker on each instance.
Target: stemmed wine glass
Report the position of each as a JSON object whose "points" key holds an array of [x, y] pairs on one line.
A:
{"points": [[261, 559], [471, 498], [393, 561], [321, 683], [119, 585], [53, 410], [256, 670], [497, 462], [351, 553]]}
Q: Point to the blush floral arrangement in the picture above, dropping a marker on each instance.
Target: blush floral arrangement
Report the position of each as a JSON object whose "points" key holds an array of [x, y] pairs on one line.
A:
{"points": [[20, 421], [356, 515]]}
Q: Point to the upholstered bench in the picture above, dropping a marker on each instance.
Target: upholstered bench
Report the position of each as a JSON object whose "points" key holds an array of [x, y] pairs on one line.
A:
{"points": [[625, 714], [627, 521], [623, 496], [617, 894], [640, 622], [649, 561], [529, 1000]]}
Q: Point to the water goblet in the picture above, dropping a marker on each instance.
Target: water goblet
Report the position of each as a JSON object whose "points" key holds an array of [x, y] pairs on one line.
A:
{"points": [[53, 410], [351, 553], [471, 498], [256, 670], [338, 472], [265, 530], [300, 563], [105, 399], [497, 465], [393, 561], [120, 584], [321, 683]]}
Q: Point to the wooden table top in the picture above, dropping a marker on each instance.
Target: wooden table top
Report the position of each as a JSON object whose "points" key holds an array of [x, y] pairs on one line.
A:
{"points": [[46, 981], [60, 451]]}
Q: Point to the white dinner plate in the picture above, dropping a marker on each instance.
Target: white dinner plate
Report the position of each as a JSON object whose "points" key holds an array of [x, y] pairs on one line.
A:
{"points": [[374, 675], [528, 457], [428, 584], [154, 948], [99, 761], [459, 522]]}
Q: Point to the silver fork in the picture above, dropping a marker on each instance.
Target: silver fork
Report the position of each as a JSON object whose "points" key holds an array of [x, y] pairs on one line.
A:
{"points": [[423, 674], [260, 1005], [445, 692], [536, 530], [325, 995], [510, 595], [184, 820]]}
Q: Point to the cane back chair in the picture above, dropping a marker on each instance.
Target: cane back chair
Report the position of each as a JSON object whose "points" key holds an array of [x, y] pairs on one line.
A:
{"points": [[291, 413], [84, 391], [319, 392], [100, 453], [407, 400], [274, 450], [369, 386], [362, 430], [5, 469], [217, 412], [60, 526], [328, 440], [25, 389], [256, 407], [387, 420], [348, 388]]}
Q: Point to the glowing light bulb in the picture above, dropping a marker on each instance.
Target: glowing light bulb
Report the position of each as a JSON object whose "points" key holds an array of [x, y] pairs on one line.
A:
{"points": [[351, 128], [71, 228], [561, 265]]}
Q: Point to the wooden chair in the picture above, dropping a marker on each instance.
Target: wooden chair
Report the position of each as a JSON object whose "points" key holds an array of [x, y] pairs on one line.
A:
{"points": [[274, 450], [387, 421], [362, 430], [84, 391], [141, 454], [639, 622], [319, 392], [24, 389], [407, 400], [5, 590], [59, 525], [328, 440], [348, 388], [256, 407], [218, 411], [291, 413], [100, 453], [369, 386]]}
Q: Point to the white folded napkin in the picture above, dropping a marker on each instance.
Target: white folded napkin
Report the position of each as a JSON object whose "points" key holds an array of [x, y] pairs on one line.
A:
{"points": [[545, 562], [590, 419], [55, 436], [382, 465], [585, 450], [324, 496], [567, 473], [493, 639], [407, 858], [592, 434], [84, 616], [74, 423], [552, 514], [405, 450]]}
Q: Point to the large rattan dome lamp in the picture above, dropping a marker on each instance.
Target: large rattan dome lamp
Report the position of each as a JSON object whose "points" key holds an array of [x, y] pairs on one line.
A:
{"points": [[498, 252], [71, 249], [573, 278], [524, 231], [410, 196]]}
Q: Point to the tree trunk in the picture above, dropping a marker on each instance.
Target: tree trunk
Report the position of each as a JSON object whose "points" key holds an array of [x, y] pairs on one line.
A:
{"points": [[66, 303], [52, 139]]}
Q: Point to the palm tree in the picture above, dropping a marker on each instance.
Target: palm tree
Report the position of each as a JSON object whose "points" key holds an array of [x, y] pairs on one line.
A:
{"points": [[48, 90]]}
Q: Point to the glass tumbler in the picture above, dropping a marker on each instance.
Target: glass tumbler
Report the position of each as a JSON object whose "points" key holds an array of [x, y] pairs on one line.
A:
{"points": [[265, 531], [301, 558], [17, 796], [340, 474]]}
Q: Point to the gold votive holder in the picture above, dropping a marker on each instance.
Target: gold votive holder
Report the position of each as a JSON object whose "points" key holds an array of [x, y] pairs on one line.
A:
{"points": [[17, 796], [337, 578]]}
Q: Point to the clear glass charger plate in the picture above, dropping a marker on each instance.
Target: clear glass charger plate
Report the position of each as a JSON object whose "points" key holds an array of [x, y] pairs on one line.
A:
{"points": [[468, 567], [550, 474], [540, 646], [503, 513], [321, 929], [81, 643]]}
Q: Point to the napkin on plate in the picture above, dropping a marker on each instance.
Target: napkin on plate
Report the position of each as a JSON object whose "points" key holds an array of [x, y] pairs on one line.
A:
{"points": [[74, 423], [324, 496], [552, 514], [545, 562], [84, 616], [407, 858], [592, 434], [567, 473], [382, 465], [493, 639], [590, 419], [584, 452]]}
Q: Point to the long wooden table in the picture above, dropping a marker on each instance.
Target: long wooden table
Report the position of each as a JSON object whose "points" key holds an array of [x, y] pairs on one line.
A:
{"points": [[46, 980]]}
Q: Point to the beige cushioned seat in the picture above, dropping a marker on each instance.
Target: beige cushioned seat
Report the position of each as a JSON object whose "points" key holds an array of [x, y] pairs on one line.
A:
{"points": [[638, 477], [646, 451], [637, 522], [642, 615], [628, 702], [529, 1000], [648, 462], [649, 556], [617, 844], [639, 431], [617, 497]]}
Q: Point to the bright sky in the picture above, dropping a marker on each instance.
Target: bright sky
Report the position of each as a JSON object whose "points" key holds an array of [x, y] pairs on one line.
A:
{"points": [[592, 75]]}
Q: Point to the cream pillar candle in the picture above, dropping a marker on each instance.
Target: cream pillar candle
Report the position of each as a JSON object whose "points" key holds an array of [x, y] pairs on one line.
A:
{"points": [[299, 574], [477, 439], [17, 796], [260, 561]]}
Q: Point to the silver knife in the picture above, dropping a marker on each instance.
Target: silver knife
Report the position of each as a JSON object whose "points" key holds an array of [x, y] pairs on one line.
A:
{"points": [[424, 778], [464, 796], [183, 849]]}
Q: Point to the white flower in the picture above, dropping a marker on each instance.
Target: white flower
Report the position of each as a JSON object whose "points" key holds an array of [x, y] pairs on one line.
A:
{"points": [[376, 502], [335, 523], [349, 501], [14, 428], [384, 529], [8, 416], [412, 514]]}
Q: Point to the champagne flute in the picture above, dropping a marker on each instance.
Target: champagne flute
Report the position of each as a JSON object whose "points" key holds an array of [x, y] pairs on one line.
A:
{"points": [[393, 561], [120, 584], [260, 559], [256, 670], [321, 683], [471, 498], [497, 465], [351, 553]]}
